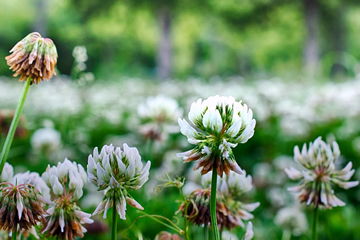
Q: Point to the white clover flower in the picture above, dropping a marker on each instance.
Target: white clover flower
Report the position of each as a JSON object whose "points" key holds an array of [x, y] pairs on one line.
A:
{"points": [[292, 219], [46, 139], [158, 117], [117, 171], [216, 126], [7, 173], [66, 176], [318, 174], [64, 219]]}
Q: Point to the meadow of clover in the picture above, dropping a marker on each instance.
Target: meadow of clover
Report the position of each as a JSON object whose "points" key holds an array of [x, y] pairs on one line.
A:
{"points": [[180, 120]]}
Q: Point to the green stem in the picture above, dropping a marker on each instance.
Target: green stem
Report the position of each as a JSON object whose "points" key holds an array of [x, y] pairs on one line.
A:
{"points": [[314, 224], [286, 235], [13, 236], [206, 232], [14, 123], [213, 206], [114, 221]]}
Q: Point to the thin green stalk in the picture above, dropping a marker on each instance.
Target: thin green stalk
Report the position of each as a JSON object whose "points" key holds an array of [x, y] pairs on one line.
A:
{"points": [[213, 206], [114, 221], [314, 224], [14, 123], [286, 235], [13, 236]]}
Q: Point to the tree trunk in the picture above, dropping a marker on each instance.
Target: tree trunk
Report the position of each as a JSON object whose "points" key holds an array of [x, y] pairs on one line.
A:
{"points": [[311, 51], [40, 22], [164, 50]]}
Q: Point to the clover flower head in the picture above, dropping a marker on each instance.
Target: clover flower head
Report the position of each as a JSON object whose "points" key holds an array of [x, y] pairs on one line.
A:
{"points": [[292, 219], [66, 178], [318, 174], [158, 117], [117, 171], [21, 207], [216, 126], [33, 57], [46, 139], [64, 218]]}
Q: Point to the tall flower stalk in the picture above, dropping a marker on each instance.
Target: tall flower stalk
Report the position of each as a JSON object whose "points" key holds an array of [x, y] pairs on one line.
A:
{"points": [[34, 59], [216, 126]]}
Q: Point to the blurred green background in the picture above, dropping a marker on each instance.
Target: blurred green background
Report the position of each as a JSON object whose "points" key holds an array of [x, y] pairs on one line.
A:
{"points": [[295, 63], [172, 38]]}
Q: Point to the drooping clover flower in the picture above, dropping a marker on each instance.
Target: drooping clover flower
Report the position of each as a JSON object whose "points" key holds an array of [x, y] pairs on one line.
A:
{"points": [[35, 180], [21, 207], [230, 211], [216, 126], [33, 57], [117, 171], [64, 220], [318, 174], [158, 117]]}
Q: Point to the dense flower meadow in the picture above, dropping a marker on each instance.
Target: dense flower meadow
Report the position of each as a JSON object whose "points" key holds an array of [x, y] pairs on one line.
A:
{"points": [[190, 159]]}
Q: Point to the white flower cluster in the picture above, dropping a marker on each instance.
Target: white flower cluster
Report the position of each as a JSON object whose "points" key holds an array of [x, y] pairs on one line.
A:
{"points": [[292, 219], [46, 139], [218, 124], [158, 117], [66, 176], [117, 171], [318, 174]]}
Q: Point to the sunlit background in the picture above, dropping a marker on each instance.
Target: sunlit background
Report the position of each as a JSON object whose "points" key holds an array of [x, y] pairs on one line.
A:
{"points": [[295, 63]]}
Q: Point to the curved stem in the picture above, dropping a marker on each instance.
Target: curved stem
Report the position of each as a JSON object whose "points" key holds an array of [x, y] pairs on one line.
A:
{"points": [[14, 123], [213, 206], [114, 221], [314, 224]]}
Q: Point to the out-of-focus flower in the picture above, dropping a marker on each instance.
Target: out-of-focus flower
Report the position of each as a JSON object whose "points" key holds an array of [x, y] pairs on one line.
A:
{"points": [[7, 173], [117, 171], [33, 57], [21, 207], [46, 139], [167, 236], [158, 117], [292, 219], [226, 235], [5, 122], [218, 124], [318, 174], [64, 220], [229, 209]]}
